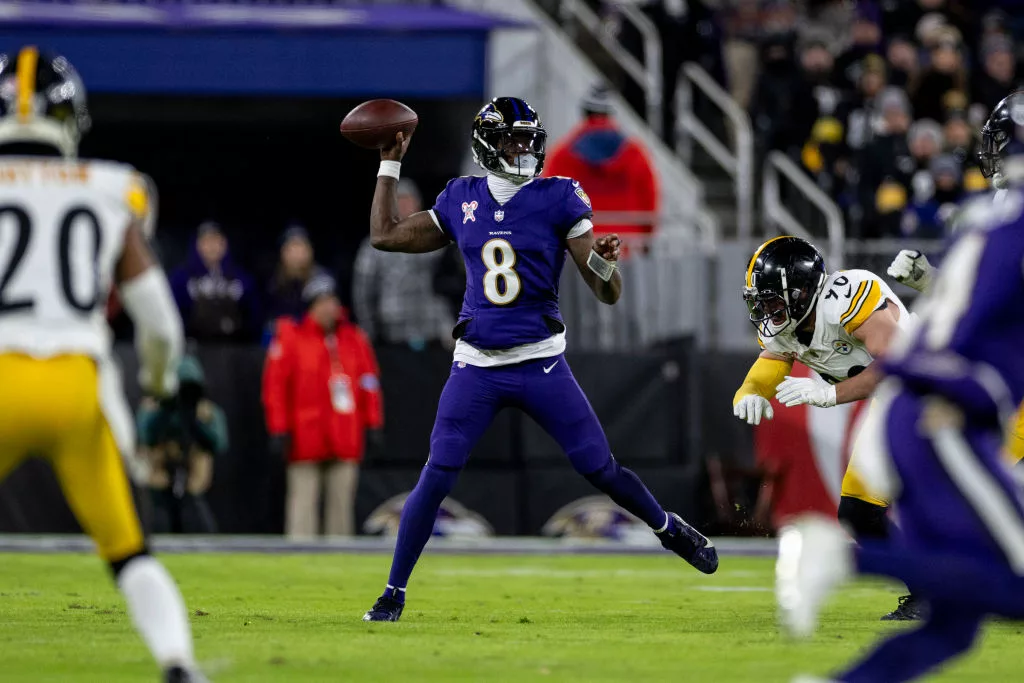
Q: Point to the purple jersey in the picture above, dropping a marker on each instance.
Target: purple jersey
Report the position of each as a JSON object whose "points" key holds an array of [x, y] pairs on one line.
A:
{"points": [[967, 347], [514, 255]]}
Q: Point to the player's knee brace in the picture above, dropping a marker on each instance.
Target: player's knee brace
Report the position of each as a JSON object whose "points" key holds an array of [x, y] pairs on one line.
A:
{"points": [[864, 520], [116, 567]]}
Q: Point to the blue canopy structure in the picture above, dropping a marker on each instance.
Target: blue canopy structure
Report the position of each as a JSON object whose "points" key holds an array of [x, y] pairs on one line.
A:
{"points": [[220, 48]]}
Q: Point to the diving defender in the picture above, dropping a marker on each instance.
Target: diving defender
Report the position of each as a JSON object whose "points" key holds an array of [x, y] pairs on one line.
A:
{"points": [[836, 324], [513, 229]]}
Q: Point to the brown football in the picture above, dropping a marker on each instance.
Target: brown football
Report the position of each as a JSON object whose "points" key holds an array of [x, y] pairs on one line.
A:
{"points": [[373, 124]]}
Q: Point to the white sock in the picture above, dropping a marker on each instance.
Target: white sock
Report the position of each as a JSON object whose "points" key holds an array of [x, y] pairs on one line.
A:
{"points": [[158, 611]]}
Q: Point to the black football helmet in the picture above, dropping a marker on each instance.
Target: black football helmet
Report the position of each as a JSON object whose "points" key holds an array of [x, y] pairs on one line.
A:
{"points": [[42, 101], [509, 140], [997, 133], [784, 278]]}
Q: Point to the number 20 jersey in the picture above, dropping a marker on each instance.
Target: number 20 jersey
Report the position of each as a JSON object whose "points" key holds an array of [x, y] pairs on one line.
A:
{"points": [[62, 228], [848, 298], [514, 253]]}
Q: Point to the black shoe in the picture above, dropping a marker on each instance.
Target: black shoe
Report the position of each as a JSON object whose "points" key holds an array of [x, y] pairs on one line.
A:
{"points": [[691, 545], [387, 608], [910, 609], [178, 674]]}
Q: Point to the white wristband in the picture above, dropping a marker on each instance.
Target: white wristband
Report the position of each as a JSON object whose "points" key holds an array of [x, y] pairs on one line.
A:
{"points": [[390, 169]]}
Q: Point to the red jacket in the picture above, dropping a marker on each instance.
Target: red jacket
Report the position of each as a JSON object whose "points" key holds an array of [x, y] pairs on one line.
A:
{"points": [[323, 400], [612, 168]]}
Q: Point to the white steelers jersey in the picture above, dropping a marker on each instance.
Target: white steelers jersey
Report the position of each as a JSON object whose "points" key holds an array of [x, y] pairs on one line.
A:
{"points": [[62, 229], [848, 298]]}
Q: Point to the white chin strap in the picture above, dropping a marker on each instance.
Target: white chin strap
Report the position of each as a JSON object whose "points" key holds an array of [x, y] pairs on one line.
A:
{"points": [[1000, 182]]}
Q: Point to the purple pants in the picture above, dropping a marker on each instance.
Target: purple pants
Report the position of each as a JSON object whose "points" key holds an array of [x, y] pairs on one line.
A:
{"points": [[544, 389], [960, 544]]}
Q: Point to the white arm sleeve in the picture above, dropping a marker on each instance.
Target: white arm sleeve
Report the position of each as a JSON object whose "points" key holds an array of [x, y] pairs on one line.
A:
{"points": [[580, 229], [158, 332]]}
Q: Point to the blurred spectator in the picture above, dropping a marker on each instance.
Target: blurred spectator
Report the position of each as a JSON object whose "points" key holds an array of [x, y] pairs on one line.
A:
{"points": [[922, 17], [614, 170], [945, 73], [935, 194], [321, 393], [824, 153], [180, 439], [861, 113], [960, 139], [217, 299], [294, 270], [904, 62], [886, 158], [925, 141], [742, 20], [829, 21], [998, 74], [787, 103], [886, 217], [867, 40], [393, 293]]}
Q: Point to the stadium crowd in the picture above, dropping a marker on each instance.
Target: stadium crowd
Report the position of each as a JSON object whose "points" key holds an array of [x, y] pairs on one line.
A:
{"points": [[880, 101]]}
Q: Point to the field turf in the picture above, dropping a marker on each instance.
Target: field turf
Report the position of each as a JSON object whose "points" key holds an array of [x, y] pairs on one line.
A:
{"points": [[470, 618]]}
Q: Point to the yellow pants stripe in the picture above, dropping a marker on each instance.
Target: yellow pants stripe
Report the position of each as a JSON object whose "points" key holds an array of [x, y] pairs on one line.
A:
{"points": [[50, 408]]}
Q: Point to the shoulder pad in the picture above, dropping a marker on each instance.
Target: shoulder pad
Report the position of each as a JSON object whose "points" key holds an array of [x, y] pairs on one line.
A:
{"points": [[859, 293]]}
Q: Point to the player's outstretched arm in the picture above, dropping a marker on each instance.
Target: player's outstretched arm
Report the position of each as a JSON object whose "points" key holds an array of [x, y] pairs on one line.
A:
{"points": [[751, 402], [876, 332], [414, 234], [599, 271]]}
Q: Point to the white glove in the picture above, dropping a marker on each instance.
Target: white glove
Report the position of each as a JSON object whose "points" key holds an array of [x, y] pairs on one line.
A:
{"points": [[797, 390], [911, 268], [752, 408]]}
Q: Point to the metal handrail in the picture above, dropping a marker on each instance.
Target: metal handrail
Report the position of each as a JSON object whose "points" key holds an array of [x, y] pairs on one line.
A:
{"points": [[777, 163], [739, 164], [652, 62], [647, 76]]}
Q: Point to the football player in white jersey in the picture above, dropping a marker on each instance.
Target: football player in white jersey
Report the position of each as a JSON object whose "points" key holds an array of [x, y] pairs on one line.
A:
{"points": [[912, 268], [836, 324], [69, 230]]}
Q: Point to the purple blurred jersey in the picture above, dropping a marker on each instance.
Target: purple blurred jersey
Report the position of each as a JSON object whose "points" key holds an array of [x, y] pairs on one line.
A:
{"points": [[967, 346]]}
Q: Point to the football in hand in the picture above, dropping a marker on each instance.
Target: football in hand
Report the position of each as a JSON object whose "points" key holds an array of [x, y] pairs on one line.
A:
{"points": [[374, 124]]}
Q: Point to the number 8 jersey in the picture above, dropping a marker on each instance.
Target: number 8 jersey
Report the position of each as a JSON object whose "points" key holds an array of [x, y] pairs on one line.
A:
{"points": [[514, 253], [62, 228], [847, 299]]}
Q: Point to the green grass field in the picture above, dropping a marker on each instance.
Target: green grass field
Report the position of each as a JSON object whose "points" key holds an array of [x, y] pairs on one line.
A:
{"points": [[470, 618]]}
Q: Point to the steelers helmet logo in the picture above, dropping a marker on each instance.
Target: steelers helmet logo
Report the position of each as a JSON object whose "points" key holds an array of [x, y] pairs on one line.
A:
{"points": [[840, 346]]}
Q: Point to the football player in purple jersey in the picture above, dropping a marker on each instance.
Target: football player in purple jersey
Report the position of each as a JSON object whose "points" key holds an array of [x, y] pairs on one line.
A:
{"points": [[514, 230]]}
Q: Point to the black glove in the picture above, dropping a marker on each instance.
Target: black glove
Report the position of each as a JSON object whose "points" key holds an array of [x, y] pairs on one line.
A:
{"points": [[374, 442], [279, 446]]}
